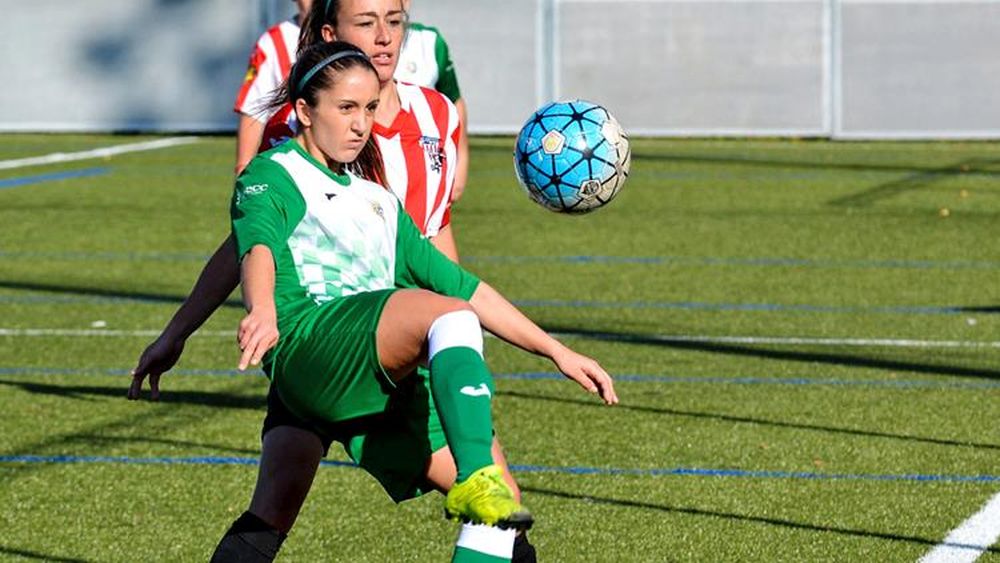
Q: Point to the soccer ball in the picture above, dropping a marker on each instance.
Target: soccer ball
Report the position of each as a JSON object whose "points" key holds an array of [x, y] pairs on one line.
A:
{"points": [[572, 156]]}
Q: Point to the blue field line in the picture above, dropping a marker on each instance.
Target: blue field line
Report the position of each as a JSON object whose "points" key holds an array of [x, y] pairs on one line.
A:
{"points": [[568, 470], [122, 371], [582, 304], [743, 261], [539, 376], [759, 261], [53, 177], [793, 381], [746, 307], [106, 256], [741, 473]]}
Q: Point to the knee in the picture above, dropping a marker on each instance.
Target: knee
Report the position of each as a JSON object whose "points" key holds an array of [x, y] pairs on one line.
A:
{"points": [[455, 328], [445, 305]]}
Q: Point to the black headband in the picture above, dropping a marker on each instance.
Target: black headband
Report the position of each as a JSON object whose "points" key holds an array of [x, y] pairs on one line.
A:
{"points": [[319, 66]]}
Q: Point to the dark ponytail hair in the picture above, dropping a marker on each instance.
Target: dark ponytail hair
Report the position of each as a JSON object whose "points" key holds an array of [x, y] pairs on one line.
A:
{"points": [[321, 13], [318, 68]]}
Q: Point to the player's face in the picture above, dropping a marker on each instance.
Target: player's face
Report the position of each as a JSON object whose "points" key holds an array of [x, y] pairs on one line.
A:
{"points": [[338, 126], [375, 26]]}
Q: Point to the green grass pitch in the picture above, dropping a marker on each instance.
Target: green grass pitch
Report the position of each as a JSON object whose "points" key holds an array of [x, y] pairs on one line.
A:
{"points": [[791, 323]]}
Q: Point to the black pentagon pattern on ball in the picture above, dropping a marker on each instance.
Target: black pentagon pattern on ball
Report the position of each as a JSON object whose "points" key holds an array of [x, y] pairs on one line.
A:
{"points": [[556, 188]]}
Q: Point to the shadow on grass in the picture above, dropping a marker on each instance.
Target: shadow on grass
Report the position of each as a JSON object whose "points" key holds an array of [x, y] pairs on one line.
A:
{"points": [[919, 179], [101, 292], [784, 355], [131, 419], [988, 309], [977, 167], [14, 552], [173, 398], [759, 421], [745, 518]]}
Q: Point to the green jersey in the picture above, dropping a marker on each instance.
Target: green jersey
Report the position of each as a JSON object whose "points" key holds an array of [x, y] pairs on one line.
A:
{"points": [[424, 60], [332, 235]]}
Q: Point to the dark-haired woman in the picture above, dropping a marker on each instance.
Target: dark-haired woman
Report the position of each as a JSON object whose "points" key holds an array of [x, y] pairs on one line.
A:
{"points": [[330, 261], [292, 448]]}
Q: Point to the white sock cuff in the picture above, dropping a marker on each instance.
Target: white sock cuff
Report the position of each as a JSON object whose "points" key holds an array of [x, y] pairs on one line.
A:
{"points": [[450, 330], [487, 539]]}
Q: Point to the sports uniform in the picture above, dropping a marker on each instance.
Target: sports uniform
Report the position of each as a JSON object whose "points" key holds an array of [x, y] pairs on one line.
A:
{"points": [[271, 59], [341, 246], [419, 151], [424, 60]]}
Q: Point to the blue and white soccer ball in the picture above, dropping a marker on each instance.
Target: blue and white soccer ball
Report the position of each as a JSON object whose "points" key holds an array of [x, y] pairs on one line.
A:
{"points": [[572, 156]]}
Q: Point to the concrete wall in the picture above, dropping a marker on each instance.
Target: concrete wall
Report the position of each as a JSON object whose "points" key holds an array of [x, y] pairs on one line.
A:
{"points": [[840, 68]]}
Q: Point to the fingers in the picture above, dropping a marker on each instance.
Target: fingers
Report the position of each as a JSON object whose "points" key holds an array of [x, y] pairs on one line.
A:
{"points": [[154, 386], [255, 342], [136, 387], [138, 375], [600, 383], [607, 386], [254, 353], [592, 377]]}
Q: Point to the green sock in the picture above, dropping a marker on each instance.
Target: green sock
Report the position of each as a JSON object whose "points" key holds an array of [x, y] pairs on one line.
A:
{"points": [[478, 543], [462, 387], [465, 555]]}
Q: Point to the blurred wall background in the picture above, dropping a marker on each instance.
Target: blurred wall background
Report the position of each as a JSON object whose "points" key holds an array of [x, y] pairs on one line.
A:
{"points": [[837, 68]]}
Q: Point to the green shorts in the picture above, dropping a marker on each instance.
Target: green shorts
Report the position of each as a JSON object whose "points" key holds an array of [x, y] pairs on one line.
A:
{"points": [[327, 374], [394, 447], [326, 368]]}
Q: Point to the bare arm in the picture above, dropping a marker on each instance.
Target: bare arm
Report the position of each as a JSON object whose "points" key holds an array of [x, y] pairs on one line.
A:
{"points": [[445, 242], [249, 133], [258, 331], [501, 318], [217, 280], [462, 172]]}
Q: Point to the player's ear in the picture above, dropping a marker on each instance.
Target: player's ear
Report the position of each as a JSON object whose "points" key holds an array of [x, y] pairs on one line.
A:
{"points": [[327, 32], [303, 112]]}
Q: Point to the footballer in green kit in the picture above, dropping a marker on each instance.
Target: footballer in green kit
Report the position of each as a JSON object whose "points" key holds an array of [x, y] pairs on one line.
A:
{"points": [[327, 255]]}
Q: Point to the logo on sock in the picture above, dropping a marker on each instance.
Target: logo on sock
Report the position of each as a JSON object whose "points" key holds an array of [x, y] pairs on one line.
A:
{"points": [[479, 391]]}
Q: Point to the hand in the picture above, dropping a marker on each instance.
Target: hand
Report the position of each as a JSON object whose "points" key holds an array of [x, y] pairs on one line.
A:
{"points": [[258, 333], [588, 373], [157, 358]]}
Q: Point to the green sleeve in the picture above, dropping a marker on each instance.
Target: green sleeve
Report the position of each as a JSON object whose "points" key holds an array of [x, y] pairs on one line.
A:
{"points": [[447, 82], [420, 264], [258, 211]]}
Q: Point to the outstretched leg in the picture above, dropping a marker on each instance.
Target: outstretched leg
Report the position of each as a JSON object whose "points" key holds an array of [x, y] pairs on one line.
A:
{"points": [[441, 475], [417, 324], [288, 463]]}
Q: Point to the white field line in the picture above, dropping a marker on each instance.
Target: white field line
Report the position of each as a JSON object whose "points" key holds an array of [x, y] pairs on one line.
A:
{"points": [[100, 332], [971, 539], [784, 340], [95, 153], [749, 340]]}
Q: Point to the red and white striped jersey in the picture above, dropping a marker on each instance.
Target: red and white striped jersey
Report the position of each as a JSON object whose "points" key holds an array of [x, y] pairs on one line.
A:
{"points": [[419, 152], [270, 63]]}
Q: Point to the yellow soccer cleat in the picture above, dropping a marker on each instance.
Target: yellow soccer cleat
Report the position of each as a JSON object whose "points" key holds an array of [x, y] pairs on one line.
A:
{"points": [[484, 498]]}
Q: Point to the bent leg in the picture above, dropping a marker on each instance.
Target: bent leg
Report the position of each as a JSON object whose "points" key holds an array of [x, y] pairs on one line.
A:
{"points": [[418, 324], [440, 475], [288, 463], [462, 389], [402, 333], [441, 469]]}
